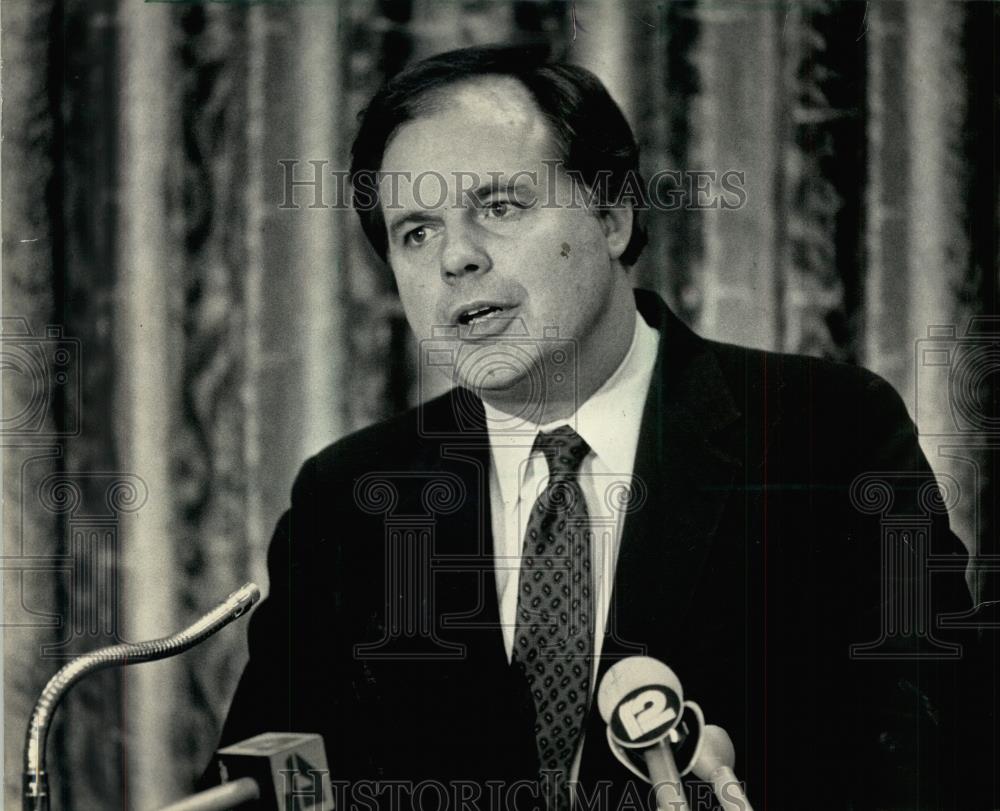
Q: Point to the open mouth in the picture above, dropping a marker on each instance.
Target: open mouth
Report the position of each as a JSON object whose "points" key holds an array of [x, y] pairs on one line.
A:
{"points": [[468, 317]]}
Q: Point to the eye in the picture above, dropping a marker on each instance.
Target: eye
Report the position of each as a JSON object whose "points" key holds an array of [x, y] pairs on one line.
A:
{"points": [[503, 210], [498, 209], [415, 236]]}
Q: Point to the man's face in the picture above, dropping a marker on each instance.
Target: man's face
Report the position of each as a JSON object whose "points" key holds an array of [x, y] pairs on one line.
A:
{"points": [[487, 243]]}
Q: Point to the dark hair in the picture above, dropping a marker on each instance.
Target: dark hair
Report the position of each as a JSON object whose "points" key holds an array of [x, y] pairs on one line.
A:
{"points": [[595, 140]]}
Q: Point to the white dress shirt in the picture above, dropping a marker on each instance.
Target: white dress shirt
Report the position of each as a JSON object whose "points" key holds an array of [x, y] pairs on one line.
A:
{"points": [[609, 421]]}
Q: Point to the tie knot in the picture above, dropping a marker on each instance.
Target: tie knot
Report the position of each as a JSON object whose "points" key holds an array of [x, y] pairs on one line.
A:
{"points": [[564, 450]]}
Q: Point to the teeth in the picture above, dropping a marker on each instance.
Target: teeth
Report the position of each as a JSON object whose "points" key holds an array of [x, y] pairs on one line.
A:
{"points": [[471, 315]]}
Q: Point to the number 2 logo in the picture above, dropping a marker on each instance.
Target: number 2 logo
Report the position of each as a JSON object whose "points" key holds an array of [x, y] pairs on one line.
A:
{"points": [[647, 712]]}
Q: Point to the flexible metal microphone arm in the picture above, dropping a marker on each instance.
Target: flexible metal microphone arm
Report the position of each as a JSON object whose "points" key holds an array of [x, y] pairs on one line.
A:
{"points": [[36, 783]]}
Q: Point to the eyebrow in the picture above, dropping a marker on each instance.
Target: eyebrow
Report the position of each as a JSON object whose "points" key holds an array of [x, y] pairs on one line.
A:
{"points": [[499, 185]]}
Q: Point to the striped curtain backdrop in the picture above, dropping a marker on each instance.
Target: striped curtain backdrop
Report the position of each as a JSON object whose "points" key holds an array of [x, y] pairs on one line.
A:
{"points": [[187, 313]]}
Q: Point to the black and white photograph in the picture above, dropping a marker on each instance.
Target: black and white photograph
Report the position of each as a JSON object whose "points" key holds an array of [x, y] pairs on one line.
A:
{"points": [[500, 405]]}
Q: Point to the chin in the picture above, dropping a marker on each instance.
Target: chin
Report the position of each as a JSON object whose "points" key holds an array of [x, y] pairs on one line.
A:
{"points": [[509, 391], [499, 368], [500, 383]]}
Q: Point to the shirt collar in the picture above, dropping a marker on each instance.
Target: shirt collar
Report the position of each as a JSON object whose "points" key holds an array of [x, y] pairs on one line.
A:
{"points": [[609, 420]]}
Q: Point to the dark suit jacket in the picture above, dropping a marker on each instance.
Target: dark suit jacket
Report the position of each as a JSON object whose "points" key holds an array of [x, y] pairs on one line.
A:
{"points": [[748, 569]]}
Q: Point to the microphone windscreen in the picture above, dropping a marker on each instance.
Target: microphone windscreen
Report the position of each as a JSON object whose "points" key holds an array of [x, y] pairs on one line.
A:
{"points": [[716, 751], [631, 674], [640, 699]]}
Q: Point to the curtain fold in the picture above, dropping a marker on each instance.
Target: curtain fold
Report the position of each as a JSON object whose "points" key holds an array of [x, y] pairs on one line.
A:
{"points": [[147, 371]]}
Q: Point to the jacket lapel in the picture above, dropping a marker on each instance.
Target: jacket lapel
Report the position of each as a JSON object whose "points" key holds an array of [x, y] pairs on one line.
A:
{"points": [[463, 566], [483, 692], [682, 478]]}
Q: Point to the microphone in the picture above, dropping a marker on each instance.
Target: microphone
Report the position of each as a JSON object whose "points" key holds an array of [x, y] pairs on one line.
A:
{"points": [[714, 764], [35, 780], [641, 701], [276, 771]]}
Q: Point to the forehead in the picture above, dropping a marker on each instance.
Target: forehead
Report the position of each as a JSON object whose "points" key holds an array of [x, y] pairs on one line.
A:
{"points": [[481, 125]]}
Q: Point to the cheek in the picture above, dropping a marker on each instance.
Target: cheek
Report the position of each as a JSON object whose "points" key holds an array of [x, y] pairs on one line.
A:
{"points": [[557, 246], [417, 299], [578, 253], [578, 236], [410, 279], [582, 267]]}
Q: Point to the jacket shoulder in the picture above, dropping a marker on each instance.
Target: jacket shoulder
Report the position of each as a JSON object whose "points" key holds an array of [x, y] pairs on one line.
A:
{"points": [[757, 369], [803, 383], [838, 410], [388, 443]]}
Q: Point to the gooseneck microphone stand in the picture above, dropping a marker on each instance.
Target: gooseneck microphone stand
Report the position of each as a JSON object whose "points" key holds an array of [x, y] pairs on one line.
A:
{"points": [[36, 783]]}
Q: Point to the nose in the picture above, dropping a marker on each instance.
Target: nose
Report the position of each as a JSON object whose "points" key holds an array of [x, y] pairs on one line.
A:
{"points": [[463, 253]]}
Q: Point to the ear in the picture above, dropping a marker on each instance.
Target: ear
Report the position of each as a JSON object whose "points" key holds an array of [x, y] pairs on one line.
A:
{"points": [[617, 224]]}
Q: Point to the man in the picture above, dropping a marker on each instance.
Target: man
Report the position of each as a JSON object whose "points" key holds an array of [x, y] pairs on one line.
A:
{"points": [[449, 587]]}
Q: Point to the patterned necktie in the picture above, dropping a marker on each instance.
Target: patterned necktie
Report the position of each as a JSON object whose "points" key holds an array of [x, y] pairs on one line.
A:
{"points": [[553, 638]]}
